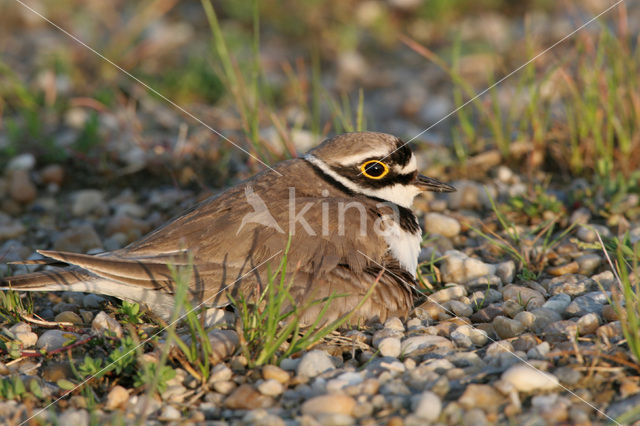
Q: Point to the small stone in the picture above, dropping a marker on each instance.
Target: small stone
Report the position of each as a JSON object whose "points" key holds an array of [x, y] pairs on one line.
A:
{"points": [[103, 323], [527, 319], [506, 271], [544, 317], [437, 223], [425, 342], [512, 308], [481, 396], [390, 346], [589, 303], [540, 351], [558, 303], [276, 373], [434, 310], [588, 324], [52, 174], [460, 309], [609, 313], [247, 398], [21, 189], [116, 397], [528, 379], [314, 363], [572, 285], [588, 263], [71, 417], [23, 333], [499, 347], [457, 267], [329, 404], [21, 162], [450, 292], [522, 295], [467, 196], [220, 373], [54, 339], [561, 331], [580, 216], [78, 239], [225, 387], [568, 268], [261, 417], [169, 412], [395, 324], [427, 406], [88, 201], [223, 344], [271, 387], [68, 316], [588, 233], [567, 375], [487, 314], [507, 328], [474, 417], [93, 301]]}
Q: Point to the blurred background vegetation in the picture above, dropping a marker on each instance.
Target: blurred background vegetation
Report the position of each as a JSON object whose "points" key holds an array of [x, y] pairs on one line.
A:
{"points": [[276, 76]]}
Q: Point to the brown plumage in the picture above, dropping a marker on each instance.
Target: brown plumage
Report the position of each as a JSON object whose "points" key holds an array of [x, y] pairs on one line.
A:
{"points": [[232, 244]]}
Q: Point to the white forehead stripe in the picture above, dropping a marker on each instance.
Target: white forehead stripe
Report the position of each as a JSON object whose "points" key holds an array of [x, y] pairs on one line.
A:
{"points": [[410, 167], [401, 195]]}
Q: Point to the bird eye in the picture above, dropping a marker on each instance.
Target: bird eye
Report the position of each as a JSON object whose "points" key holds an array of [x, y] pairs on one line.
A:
{"points": [[374, 169]]}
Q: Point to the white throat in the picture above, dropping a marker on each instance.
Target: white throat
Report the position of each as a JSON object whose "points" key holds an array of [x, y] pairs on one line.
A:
{"points": [[401, 195]]}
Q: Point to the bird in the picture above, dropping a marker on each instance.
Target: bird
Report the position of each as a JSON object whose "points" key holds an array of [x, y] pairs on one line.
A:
{"points": [[340, 215]]}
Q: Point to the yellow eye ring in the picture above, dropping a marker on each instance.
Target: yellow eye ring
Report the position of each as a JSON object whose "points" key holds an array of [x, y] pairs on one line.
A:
{"points": [[374, 169]]}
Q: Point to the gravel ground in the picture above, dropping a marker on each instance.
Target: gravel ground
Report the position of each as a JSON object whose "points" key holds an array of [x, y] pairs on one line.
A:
{"points": [[488, 346]]}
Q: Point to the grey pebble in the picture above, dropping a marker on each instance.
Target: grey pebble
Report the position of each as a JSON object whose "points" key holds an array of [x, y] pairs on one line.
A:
{"points": [[314, 363], [558, 303], [589, 303], [54, 339]]}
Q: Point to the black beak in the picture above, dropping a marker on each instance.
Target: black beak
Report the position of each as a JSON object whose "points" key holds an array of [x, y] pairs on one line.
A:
{"points": [[430, 184]]}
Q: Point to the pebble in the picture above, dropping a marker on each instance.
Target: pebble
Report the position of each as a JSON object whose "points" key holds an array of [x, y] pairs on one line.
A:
{"points": [[540, 351], [78, 239], [567, 268], [93, 301], [528, 379], [559, 331], [507, 328], [506, 271], [487, 314], [448, 293], [427, 406], [314, 363], [103, 323], [271, 387], [437, 223], [512, 308], [457, 267], [395, 324], [23, 333], [21, 188], [588, 324], [52, 174], [544, 317], [589, 303], [329, 404], [272, 372], [25, 161], [527, 319], [572, 285], [421, 343], [72, 417], [68, 316], [88, 201], [481, 396], [116, 397], [523, 295], [54, 339], [588, 263], [588, 233], [261, 417], [390, 346], [169, 412], [224, 343], [245, 397], [460, 309], [557, 303]]}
